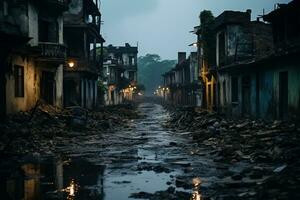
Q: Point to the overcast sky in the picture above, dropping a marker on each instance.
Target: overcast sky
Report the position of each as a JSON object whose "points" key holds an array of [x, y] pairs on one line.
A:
{"points": [[162, 26]]}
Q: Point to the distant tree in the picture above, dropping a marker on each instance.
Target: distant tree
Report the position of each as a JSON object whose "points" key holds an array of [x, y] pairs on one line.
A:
{"points": [[150, 70]]}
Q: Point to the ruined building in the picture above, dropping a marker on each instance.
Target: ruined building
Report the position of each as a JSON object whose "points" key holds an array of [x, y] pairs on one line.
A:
{"points": [[256, 79], [120, 73], [239, 42], [82, 24], [32, 54], [181, 84]]}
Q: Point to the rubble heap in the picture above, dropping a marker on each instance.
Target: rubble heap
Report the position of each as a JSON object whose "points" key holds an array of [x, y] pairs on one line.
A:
{"points": [[38, 129], [269, 149]]}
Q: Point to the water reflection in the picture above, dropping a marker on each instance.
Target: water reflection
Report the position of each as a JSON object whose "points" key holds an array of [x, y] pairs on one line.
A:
{"points": [[51, 178], [196, 189], [72, 189]]}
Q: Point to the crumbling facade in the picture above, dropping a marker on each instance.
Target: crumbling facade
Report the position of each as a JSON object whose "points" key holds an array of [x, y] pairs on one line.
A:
{"points": [[32, 54], [82, 24], [120, 73], [240, 41], [181, 84], [255, 68]]}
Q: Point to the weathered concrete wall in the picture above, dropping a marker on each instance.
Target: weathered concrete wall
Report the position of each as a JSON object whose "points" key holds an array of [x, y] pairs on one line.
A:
{"points": [[31, 86], [266, 94]]}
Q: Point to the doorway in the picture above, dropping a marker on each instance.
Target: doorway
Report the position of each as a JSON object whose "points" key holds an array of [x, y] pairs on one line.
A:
{"points": [[246, 96], [48, 87], [283, 94]]}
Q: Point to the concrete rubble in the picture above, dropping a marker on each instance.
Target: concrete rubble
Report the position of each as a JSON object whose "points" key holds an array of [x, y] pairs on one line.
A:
{"points": [[259, 159], [40, 129]]}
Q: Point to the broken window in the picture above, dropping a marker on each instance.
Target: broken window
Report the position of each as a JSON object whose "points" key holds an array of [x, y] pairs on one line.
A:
{"points": [[19, 81], [131, 60], [48, 31], [234, 89], [5, 8], [221, 48], [131, 76]]}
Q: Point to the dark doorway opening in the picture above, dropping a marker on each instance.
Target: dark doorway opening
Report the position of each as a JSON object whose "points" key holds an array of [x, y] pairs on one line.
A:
{"points": [[246, 96], [2, 91], [257, 95], [283, 94], [84, 93], [112, 95], [48, 87], [70, 93]]}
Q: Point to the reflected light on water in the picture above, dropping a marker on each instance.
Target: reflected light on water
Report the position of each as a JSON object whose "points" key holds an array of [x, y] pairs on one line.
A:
{"points": [[196, 190], [71, 190]]}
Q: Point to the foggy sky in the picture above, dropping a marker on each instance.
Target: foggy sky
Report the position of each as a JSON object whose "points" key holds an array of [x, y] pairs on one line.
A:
{"points": [[162, 26]]}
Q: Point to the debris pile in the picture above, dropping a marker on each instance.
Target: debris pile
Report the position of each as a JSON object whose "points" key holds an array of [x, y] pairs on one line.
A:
{"points": [[38, 129], [265, 152]]}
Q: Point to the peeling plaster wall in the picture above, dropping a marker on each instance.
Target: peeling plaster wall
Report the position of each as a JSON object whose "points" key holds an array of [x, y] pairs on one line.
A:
{"points": [[31, 86], [268, 98]]}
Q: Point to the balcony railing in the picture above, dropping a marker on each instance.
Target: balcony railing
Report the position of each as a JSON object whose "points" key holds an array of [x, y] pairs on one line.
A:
{"points": [[52, 50]]}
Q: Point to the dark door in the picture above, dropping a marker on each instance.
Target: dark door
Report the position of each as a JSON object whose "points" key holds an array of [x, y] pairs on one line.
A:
{"points": [[112, 95], [2, 93], [283, 94], [70, 93], [84, 94], [214, 103], [246, 96], [257, 95], [48, 87]]}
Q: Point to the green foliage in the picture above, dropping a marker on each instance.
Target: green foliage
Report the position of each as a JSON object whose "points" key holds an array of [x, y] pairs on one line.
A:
{"points": [[150, 70], [208, 36]]}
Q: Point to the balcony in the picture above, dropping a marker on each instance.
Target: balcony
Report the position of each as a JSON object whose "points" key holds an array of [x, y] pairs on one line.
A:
{"points": [[51, 52]]}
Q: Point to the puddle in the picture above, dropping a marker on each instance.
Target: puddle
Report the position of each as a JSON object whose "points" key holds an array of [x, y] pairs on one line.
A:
{"points": [[146, 181], [52, 178], [112, 171]]}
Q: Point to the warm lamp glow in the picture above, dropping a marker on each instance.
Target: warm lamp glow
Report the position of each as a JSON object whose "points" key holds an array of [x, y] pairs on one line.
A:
{"points": [[71, 64]]}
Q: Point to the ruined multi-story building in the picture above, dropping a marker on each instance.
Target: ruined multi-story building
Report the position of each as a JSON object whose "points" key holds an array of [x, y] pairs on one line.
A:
{"points": [[32, 53], [239, 42], [82, 24], [257, 63], [120, 73], [181, 84]]}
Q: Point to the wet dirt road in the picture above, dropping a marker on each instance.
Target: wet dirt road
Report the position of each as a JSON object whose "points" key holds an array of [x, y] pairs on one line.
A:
{"points": [[144, 160]]}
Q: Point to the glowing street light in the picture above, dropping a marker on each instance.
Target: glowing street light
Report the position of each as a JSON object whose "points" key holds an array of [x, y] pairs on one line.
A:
{"points": [[71, 64]]}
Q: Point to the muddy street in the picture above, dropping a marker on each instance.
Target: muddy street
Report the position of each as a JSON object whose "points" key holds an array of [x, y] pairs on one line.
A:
{"points": [[143, 160]]}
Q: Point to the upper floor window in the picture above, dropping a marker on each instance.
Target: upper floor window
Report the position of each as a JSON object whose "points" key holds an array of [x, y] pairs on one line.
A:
{"points": [[48, 31], [131, 60], [5, 8], [221, 48]]}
